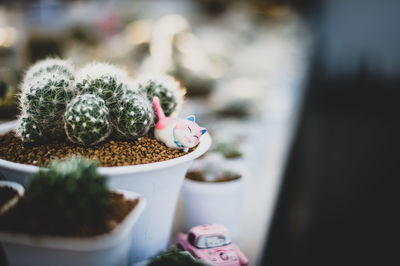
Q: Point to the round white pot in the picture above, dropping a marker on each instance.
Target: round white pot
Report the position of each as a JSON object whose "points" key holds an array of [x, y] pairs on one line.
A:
{"points": [[213, 203], [159, 183], [18, 188], [109, 249]]}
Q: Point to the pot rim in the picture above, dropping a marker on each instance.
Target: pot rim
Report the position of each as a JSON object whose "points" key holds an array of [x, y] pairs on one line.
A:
{"points": [[91, 243], [11, 202], [203, 146], [14, 185], [209, 185]]}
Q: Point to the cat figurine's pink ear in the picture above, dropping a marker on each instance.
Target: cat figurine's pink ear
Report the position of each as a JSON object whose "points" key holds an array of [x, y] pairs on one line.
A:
{"points": [[176, 133]]}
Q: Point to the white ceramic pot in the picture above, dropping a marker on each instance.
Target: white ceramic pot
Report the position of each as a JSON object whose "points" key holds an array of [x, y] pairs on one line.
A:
{"points": [[159, 183], [109, 249], [18, 188], [213, 203]]}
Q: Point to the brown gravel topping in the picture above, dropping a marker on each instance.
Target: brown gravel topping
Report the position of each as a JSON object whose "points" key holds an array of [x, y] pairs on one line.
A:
{"points": [[108, 153], [23, 219]]}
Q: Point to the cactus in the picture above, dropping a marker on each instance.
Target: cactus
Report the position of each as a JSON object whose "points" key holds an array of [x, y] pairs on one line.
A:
{"points": [[50, 65], [176, 257], [86, 120], [29, 130], [45, 97], [133, 117], [167, 89], [107, 81], [70, 192]]}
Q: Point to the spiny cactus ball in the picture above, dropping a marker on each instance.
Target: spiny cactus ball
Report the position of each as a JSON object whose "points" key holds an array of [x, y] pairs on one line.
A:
{"points": [[133, 117], [168, 90], [29, 130], [107, 81], [86, 120], [45, 97], [50, 65], [72, 191]]}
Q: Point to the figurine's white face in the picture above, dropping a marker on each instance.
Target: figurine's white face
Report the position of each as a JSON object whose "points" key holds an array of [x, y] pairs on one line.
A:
{"points": [[188, 133]]}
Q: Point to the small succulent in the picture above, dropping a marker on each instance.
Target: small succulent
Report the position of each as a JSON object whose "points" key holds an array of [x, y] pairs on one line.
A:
{"points": [[106, 81], [45, 97], [69, 192], [174, 257], [86, 120], [133, 117], [166, 88], [228, 148], [50, 65], [29, 130]]}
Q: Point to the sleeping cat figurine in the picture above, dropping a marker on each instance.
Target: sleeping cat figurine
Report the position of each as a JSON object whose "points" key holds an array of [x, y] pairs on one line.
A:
{"points": [[176, 133]]}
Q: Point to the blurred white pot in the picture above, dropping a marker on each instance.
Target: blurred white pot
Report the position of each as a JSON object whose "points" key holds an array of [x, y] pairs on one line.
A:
{"points": [[110, 249], [213, 202], [159, 183]]}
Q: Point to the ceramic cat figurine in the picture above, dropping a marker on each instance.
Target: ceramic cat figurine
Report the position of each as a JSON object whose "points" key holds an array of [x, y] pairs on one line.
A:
{"points": [[176, 133]]}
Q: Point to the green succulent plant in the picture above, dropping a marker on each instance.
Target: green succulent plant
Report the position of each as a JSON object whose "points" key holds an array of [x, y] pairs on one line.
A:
{"points": [[133, 116], [29, 130], [69, 192], [174, 257], [86, 120], [106, 81], [228, 148], [45, 97], [166, 88]]}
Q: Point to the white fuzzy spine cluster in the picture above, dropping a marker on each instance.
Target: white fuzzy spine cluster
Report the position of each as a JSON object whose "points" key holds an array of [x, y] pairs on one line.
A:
{"points": [[53, 65]]}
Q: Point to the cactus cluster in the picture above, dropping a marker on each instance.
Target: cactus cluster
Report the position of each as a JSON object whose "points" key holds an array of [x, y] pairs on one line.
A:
{"points": [[98, 101], [72, 191], [168, 90]]}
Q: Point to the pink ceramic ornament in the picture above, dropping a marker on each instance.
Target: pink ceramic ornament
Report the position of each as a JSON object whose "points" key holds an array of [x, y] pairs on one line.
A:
{"points": [[211, 243], [176, 133]]}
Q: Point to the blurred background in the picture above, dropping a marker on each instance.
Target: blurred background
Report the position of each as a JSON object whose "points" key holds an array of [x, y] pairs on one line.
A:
{"points": [[305, 91]]}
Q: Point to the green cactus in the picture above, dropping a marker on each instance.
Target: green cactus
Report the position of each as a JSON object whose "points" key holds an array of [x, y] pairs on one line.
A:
{"points": [[45, 97], [70, 193], [106, 81], [133, 117], [50, 65], [29, 130], [167, 89], [86, 120], [176, 257]]}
